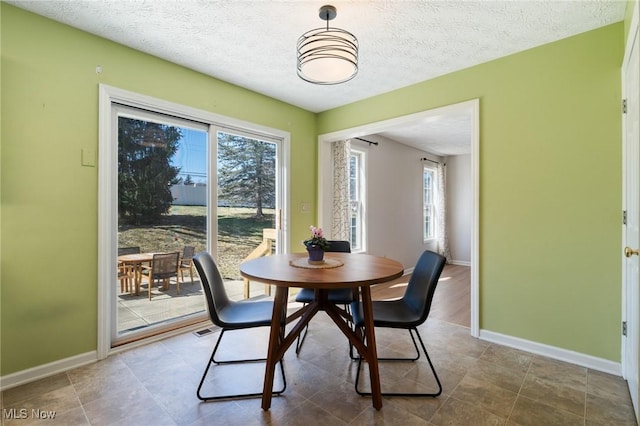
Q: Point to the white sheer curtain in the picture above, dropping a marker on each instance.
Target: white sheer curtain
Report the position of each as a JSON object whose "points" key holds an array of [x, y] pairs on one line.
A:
{"points": [[341, 228], [441, 207]]}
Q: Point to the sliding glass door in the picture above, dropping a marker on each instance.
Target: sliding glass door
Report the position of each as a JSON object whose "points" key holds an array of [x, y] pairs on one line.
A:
{"points": [[247, 207], [176, 186], [162, 208]]}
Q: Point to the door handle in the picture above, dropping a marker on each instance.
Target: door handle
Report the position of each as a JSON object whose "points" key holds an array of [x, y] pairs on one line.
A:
{"points": [[628, 252]]}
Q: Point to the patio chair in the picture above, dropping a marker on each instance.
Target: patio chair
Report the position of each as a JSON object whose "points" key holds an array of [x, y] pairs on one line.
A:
{"points": [[125, 277], [230, 315], [186, 262], [339, 296], [407, 313], [128, 250], [164, 266], [126, 273]]}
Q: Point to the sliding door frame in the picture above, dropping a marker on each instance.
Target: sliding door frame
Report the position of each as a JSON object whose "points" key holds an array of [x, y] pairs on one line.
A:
{"points": [[108, 187]]}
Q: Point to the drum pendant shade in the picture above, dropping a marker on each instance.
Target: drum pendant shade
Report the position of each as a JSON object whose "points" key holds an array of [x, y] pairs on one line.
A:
{"points": [[327, 55]]}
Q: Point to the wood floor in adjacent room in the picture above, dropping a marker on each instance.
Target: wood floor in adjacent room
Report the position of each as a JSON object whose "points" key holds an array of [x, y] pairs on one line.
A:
{"points": [[451, 302]]}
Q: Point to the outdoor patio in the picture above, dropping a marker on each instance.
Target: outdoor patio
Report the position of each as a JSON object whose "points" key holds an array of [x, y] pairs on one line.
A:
{"points": [[135, 312]]}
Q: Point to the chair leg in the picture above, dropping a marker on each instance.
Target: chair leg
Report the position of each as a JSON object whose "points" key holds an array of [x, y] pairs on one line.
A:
{"points": [[212, 360], [350, 324], [415, 345], [300, 339], [433, 370], [303, 336]]}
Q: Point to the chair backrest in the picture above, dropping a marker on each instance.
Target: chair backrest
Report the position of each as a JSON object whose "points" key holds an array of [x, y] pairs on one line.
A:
{"points": [[422, 285], [212, 285], [165, 265], [128, 250], [187, 255], [339, 246]]}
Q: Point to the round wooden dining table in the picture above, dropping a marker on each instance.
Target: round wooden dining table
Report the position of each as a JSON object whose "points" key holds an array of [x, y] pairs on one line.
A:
{"points": [[136, 260], [340, 270]]}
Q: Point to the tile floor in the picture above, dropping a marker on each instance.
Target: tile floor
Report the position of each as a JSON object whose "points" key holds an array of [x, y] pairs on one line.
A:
{"points": [[484, 384]]}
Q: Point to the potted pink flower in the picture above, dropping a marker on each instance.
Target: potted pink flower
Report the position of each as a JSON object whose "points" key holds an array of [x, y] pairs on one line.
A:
{"points": [[316, 245]]}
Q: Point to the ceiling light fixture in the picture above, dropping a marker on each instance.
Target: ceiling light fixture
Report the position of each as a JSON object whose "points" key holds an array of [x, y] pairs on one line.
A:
{"points": [[327, 55]]}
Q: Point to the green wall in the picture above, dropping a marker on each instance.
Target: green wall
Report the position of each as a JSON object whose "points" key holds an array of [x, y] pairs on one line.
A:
{"points": [[550, 185], [48, 298]]}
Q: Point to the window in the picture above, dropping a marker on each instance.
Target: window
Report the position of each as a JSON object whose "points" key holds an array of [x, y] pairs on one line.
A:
{"points": [[429, 211], [356, 198]]}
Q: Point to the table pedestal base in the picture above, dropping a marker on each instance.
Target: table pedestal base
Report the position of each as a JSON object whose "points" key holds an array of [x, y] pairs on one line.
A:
{"points": [[279, 341]]}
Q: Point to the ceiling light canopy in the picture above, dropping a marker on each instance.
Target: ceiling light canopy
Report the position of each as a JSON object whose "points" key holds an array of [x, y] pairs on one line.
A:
{"points": [[327, 55]]}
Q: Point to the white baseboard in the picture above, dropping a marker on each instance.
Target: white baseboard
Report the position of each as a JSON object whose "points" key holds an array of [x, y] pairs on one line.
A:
{"points": [[25, 376], [41, 371], [560, 354]]}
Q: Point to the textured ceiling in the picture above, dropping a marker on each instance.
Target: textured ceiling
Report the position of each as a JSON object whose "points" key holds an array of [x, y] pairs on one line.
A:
{"points": [[402, 42], [439, 133]]}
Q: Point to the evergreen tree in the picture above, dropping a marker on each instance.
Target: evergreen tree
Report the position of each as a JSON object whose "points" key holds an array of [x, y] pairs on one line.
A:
{"points": [[145, 173], [247, 172]]}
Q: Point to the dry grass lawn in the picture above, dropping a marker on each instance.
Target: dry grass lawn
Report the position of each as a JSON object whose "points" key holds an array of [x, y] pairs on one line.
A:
{"points": [[239, 232]]}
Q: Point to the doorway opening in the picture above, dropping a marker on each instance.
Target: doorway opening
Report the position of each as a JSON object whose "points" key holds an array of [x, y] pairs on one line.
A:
{"points": [[388, 129]]}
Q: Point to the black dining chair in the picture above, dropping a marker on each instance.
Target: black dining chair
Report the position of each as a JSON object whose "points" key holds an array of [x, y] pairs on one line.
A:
{"points": [[338, 296], [230, 315], [407, 313]]}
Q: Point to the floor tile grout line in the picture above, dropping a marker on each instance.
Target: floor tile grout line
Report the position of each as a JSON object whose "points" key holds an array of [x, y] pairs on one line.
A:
{"points": [[586, 396], [75, 392], [450, 395], [444, 402], [555, 407], [518, 394], [486, 349], [161, 406]]}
